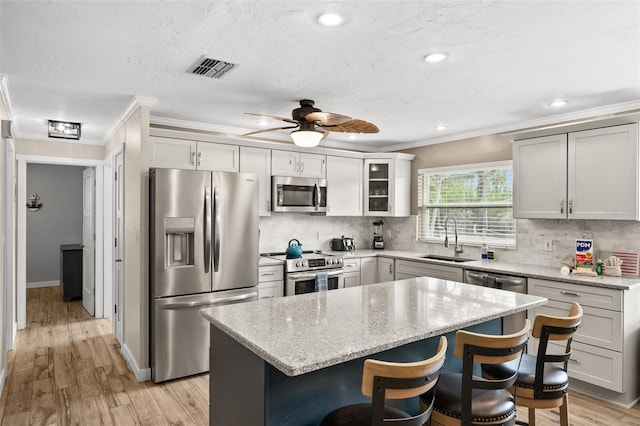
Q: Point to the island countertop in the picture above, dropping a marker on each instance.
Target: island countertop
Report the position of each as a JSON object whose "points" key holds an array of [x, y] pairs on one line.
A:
{"points": [[304, 333]]}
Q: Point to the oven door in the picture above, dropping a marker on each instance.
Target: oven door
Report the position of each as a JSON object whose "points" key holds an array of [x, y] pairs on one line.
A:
{"points": [[305, 282]]}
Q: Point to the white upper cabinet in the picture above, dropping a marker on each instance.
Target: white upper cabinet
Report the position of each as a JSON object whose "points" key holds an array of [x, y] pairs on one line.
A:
{"points": [[297, 164], [603, 173], [344, 186], [218, 157], [387, 187], [172, 153], [591, 174], [258, 161], [540, 177], [193, 155]]}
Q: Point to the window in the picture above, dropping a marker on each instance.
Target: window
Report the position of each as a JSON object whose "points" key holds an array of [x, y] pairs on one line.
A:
{"points": [[479, 198]]}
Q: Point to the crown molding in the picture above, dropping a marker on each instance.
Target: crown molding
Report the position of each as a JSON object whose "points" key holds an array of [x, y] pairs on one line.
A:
{"points": [[134, 104], [591, 114]]}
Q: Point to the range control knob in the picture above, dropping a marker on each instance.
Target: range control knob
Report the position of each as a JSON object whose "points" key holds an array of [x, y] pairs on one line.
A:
{"points": [[298, 264]]}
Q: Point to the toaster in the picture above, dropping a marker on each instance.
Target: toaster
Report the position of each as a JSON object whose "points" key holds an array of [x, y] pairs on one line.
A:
{"points": [[343, 244]]}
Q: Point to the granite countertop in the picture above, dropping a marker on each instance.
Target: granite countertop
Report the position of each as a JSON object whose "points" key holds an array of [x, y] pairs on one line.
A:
{"points": [[509, 268], [308, 332], [269, 261]]}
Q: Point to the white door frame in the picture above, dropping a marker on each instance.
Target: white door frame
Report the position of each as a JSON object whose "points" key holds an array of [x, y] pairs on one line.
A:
{"points": [[9, 331], [21, 272], [117, 265], [89, 267]]}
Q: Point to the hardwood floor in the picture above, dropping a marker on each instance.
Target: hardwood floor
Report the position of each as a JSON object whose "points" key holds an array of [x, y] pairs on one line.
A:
{"points": [[66, 369]]}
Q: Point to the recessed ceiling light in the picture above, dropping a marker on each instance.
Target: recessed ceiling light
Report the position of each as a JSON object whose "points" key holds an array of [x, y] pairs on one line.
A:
{"points": [[330, 19], [558, 103], [435, 57], [440, 127]]}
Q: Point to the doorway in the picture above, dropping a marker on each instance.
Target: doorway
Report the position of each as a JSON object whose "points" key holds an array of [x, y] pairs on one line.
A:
{"points": [[101, 204]]}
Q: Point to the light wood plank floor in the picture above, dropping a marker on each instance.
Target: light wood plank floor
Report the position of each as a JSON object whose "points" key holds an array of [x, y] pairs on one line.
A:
{"points": [[66, 369]]}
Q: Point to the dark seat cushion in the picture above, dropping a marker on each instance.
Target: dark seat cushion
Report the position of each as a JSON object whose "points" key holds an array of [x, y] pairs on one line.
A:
{"points": [[486, 406], [358, 415], [554, 375]]}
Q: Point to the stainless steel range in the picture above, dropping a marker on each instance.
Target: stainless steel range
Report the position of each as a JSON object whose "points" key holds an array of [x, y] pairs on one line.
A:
{"points": [[313, 272]]}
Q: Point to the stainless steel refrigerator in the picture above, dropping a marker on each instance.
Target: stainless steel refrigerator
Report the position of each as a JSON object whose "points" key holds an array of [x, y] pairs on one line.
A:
{"points": [[203, 252]]}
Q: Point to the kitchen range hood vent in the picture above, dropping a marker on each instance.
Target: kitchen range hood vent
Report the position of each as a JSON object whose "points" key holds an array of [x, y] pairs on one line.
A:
{"points": [[213, 68]]}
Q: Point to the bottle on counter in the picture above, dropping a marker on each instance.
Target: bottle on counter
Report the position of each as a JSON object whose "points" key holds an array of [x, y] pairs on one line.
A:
{"points": [[485, 249], [599, 267]]}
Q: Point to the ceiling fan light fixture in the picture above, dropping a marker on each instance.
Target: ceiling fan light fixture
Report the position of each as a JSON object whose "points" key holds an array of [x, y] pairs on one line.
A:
{"points": [[558, 103], [306, 138], [330, 19]]}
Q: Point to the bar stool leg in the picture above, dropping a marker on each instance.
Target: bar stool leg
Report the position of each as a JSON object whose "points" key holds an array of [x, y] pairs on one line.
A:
{"points": [[532, 416], [564, 411]]}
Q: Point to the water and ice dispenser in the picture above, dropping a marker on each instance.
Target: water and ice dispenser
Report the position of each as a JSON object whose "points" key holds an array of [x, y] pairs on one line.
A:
{"points": [[178, 241]]}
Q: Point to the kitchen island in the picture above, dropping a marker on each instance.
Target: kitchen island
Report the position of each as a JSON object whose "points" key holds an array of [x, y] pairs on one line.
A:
{"points": [[291, 360]]}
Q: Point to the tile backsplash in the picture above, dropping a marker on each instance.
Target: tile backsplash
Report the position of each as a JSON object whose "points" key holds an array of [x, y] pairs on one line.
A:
{"points": [[316, 232]]}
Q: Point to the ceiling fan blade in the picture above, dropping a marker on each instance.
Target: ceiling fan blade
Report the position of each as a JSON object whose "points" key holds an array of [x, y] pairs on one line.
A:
{"points": [[273, 129], [327, 118], [288, 120], [354, 126]]}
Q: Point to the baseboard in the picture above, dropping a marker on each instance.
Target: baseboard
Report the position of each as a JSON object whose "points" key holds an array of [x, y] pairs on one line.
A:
{"points": [[143, 374], [39, 284]]}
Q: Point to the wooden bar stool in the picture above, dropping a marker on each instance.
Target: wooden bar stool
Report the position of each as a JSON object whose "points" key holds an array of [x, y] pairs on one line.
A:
{"points": [[391, 380], [543, 381], [467, 399]]}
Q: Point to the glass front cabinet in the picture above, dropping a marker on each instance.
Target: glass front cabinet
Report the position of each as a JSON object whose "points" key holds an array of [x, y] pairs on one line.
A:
{"points": [[387, 187]]}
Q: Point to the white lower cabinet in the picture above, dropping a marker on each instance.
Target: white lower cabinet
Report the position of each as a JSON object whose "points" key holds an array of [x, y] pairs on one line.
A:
{"points": [[605, 346], [385, 269], [409, 269], [351, 272], [271, 281], [368, 270]]}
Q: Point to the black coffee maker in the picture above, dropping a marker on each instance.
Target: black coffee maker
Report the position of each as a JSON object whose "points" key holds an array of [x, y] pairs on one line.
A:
{"points": [[378, 241]]}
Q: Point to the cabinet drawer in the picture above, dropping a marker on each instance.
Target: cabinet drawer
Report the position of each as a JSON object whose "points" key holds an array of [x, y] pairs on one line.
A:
{"points": [[270, 273], [605, 298], [598, 327], [271, 289], [351, 279], [351, 265], [600, 367]]}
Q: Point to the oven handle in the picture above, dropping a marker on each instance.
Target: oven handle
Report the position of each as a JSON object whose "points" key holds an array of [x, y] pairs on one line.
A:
{"points": [[312, 275]]}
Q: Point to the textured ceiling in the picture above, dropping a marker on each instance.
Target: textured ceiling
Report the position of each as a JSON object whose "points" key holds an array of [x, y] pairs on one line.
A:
{"points": [[86, 60]]}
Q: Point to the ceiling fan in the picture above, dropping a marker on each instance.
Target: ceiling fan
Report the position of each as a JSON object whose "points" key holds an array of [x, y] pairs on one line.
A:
{"points": [[313, 125]]}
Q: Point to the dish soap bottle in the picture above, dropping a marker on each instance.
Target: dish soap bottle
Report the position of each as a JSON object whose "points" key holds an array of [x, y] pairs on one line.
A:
{"points": [[599, 267], [485, 249]]}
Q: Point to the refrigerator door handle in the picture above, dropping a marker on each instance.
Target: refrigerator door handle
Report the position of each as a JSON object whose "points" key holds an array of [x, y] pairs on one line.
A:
{"points": [[186, 305], [216, 229], [207, 228]]}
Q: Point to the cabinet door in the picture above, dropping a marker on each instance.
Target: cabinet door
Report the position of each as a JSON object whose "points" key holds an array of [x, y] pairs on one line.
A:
{"points": [[312, 165], [172, 153], [368, 270], [284, 163], [217, 157], [344, 186], [385, 269], [418, 269], [258, 161], [377, 187], [603, 173], [540, 177], [351, 279], [271, 289]]}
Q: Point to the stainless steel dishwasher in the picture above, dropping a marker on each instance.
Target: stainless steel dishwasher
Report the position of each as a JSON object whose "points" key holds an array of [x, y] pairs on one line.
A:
{"points": [[511, 323]]}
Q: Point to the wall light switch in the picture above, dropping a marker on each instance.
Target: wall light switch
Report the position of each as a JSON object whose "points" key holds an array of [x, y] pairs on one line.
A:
{"points": [[548, 245]]}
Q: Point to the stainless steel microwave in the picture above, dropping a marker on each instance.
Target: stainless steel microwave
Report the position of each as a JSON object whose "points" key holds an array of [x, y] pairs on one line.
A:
{"points": [[298, 195]]}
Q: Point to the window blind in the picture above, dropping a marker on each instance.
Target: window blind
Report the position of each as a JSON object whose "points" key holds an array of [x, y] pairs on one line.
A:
{"points": [[479, 198]]}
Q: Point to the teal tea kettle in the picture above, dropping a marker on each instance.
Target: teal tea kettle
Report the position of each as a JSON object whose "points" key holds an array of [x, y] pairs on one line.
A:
{"points": [[294, 251]]}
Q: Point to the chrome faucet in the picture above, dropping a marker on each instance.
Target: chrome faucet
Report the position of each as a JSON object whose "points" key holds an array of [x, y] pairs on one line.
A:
{"points": [[457, 248]]}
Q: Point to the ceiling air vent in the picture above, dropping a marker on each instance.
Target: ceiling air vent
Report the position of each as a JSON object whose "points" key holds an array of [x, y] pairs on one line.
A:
{"points": [[210, 67]]}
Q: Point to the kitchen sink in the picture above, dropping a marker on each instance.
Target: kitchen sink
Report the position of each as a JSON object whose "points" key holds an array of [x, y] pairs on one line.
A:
{"points": [[447, 258]]}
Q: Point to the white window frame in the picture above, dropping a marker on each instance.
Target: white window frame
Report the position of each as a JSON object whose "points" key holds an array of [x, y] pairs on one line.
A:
{"points": [[461, 239]]}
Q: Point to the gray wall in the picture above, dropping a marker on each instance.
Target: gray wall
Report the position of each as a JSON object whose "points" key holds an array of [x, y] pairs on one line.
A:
{"points": [[59, 221]]}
